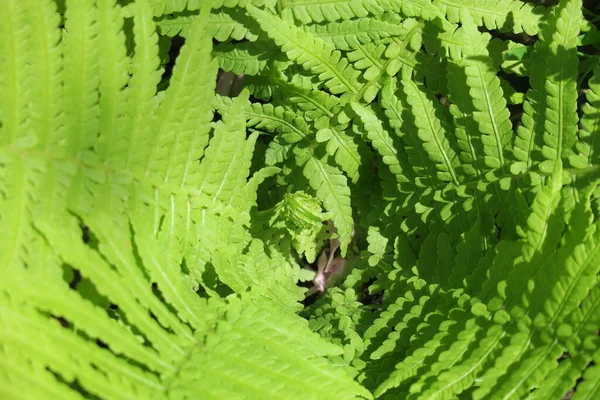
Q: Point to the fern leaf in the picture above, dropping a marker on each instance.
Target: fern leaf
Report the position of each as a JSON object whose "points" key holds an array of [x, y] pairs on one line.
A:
{"points": [[223, 25], [81, 87], [368, 59], [381, 141], [14, 74], [113, 76], [312, 53], [589, 388], [348, 35], [543, 228], [260, 360], [535, 366], [575, 282], [250, 190], [115, 285], [529, 139], [320, 106], [318, 11], [425, 174], [561, 116], [117, 249], [90, 365], [161, 7], [588, 144], [141, 90], [466, 128], [21, 180], [179, 139], [164, 272], [540, 233], [343, 148], [257, 271], [46, 88], [505, 15], [487, 96], [241, 167], [540, 359], [332, 189], [313, 103], [431, 132], [561, 113], [288, 125], [217, 170], [243, 58], [175, 25], [559, 381], [469, 251]]}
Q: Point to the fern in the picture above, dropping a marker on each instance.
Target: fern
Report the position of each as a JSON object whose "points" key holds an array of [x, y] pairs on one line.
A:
{"points": [[396, 199], [115, 247], [313, 54]]}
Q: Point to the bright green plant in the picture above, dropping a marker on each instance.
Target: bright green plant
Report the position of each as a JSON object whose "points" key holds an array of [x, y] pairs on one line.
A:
{"points": [[429, 169]]}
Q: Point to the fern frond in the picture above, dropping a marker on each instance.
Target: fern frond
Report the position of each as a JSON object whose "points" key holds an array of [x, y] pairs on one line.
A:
{"points": [[150, 248], [175, 25], [383, 143], [222, 24], [116, 286], [221, 355], [163, 7], [466, 128], [276, 119], [313, 103], [178, 138], [256, 270], [589, 388], [550, 117], [535, 353], [505, 15], [251, 188], [343, 148], [318, 11], [218, 168], [572, 284], [113, 76], [81, 87], [561, 114], [469, 251], [538, 352], [89, 365], [541, 234], [489, 105], [244, 58], [368, 59], [321, 106], [560, 380], [433, 354], [510, 56], [431, 132], [145, 77], [340, 318], [46, 88], [395, 111], [14, 74], [588, 144], [332, 189], [348, 35], [312, 53]]}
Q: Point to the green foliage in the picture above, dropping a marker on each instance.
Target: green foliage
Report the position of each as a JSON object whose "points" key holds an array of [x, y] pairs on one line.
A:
{"points": [[402, 202]]}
